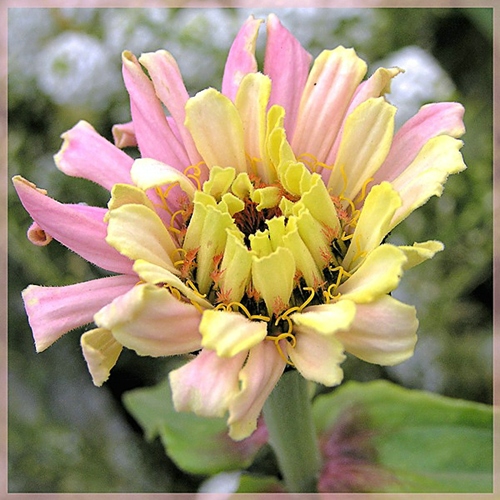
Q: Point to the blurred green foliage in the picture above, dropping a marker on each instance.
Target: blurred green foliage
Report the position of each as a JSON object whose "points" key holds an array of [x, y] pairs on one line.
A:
{"points": [[66, 435]]}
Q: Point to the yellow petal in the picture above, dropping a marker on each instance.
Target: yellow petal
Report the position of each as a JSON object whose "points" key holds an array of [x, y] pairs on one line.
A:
{"points": [[251, 102], [138, 233], [365, 142], [280, 267], [101, 351], [125, 194], [147, 173], [153, 274], [216, 127], [236, 267], [229, 333], [419, 252], [374, 223], [379, 274], [219, 182]]}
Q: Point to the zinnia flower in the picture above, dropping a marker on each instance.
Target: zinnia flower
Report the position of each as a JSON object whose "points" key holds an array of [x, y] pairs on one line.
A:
{"points": [[251, 231]]}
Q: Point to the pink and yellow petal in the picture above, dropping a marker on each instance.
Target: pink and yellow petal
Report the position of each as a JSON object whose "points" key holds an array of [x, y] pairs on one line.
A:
{"points": [[229, 333], [432, 120], [101, 352], [152, 322], [257, 379], [383, 332], [77, 157], [317, 357], [148, 173], [207, 384], [333, 79], [379, 274], [80, 228], [426, 175], [54, 311], [241, 58], [287, 64]]}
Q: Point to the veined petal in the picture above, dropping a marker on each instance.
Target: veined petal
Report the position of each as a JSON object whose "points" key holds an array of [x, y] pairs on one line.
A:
{"points": [[376, 86], [154, 136], [432, 120], [77, 157], [287, 64], [318, 357], [207, 384], [101, 352], [251, 103], [152, 322], [374, 222], [229, 333], [257, 379], [378, 275], [426, 175], [334, 77], [157, 275], [276, 292], [126, 194], [383, 332], [236, 267], [138, 233], [78, 227], [241, 58], [325, 319], [170, 88], [217, 130], [124, 135], [365, 142], [147, 173], [53, 311], [419, 252]]}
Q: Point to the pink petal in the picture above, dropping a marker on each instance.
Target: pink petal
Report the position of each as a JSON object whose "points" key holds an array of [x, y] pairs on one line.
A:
{"points": [[170, 88], [86, 154], [154, 136], [78, 227], [241, 59], [206, 384], [442, 118], [331, 84], [258, 377], [287, 63], [53, 311], [124, 135]]}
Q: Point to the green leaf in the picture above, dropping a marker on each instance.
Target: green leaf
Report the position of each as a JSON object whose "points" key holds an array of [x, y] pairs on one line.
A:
{"points": [[260, 484], [380, 437], [198, 445]]}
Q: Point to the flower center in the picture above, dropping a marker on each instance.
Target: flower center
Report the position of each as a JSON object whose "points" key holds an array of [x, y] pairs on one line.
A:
{"points": [[250, 219]]}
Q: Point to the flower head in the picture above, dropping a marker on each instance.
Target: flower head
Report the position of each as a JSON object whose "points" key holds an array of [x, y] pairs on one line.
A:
{"points": [[251, 230]]}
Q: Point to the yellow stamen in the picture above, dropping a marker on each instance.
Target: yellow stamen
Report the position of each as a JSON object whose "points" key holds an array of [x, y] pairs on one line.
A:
{"points": [[195, 174], [362, 195], [277, 339]]}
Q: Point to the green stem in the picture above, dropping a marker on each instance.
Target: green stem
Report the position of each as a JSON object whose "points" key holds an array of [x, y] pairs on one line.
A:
{"points": [[292, 436]]}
